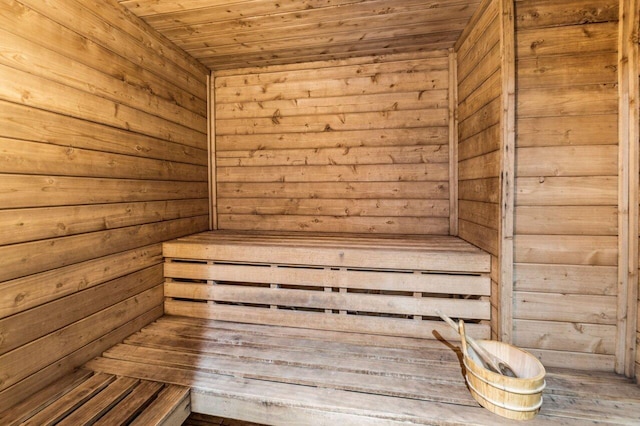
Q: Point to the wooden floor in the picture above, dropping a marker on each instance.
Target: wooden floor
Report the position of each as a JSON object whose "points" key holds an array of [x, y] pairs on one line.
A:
{"points": [[295, 376], [85, 398]]}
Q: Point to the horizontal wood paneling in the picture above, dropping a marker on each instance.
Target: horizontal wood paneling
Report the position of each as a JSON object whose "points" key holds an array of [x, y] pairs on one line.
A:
{"points": [[239, 33], [102, 157], [566, 217], [479, 112], [369, 139]]}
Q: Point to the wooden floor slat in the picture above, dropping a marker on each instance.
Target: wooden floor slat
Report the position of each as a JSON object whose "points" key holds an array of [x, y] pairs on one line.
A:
{"points": [[272, 374]]}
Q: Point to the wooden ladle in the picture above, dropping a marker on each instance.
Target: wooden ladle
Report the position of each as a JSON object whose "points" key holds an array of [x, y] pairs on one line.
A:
{"points": [[489, 361]]}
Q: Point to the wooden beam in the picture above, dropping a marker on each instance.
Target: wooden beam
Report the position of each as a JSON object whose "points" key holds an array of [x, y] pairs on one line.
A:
{"points": [[627, 188], [211, 133], [508, 120], [453, 143]]}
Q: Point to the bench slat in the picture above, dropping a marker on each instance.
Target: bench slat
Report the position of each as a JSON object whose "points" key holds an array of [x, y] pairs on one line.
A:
{"points": [[100, 404], [321, 321], [369, 303], [40, 400], [71, 400], [127, 409], [171, 408], [365, 280]]}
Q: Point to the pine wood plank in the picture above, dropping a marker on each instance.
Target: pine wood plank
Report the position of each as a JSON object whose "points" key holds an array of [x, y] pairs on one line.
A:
{"points": [[333, 122], [49, 64], [562, 71], [320, 70], [69, 363], [34, 257], [567, 220], [591, 160], [484, 166], [544, 13], [485, 214], [566, 249], [483, 190], [100, 404], [17, 157], [342, 190], [348, 85], [320, 321], [354, 382], [334, 156], [171, 408], [20, 191], [344, 62], [353, 138], [567, 279], [338, 301], [26, 360], [315, 223], [28, 89], [565, 336], [336, 52], [42, 399], [121, 18], [423, 283], [565, 307], [93, 27], [571, 397], [480, 120], [18, 225], [568, 130], [595, 99], [72, 400], [571, 40], [24, 293], [22, 122], [130, 406], [567, 191], [305, 106], [482, 94], [366, 257], [30, 325], [20, 19], [431, 172], [334, 207]]}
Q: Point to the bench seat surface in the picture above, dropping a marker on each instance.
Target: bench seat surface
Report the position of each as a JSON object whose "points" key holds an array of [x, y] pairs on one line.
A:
{"points": [[85, 398], [296, 376]]}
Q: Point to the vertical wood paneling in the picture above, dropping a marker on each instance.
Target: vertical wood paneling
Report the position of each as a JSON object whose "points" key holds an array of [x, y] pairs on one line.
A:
{"points": [[566, 80], [480, 155], [348, 147], [103, 155]]}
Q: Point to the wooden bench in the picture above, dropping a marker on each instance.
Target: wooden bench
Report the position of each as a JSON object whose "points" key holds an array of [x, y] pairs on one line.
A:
{"points": [[85, 398], [355, 283], [294, 329], [335, 330]]}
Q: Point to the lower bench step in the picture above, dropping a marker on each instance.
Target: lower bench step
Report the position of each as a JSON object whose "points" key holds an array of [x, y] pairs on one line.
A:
{"points": [[87, 398]]}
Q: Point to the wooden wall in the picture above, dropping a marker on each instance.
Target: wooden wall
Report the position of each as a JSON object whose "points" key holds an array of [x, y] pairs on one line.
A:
{"points": [[103, 155], [479, 76], [339, 146], [566, 218]]}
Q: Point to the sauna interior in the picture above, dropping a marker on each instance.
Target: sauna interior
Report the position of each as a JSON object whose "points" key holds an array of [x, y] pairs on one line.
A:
{"points": [[481, 153]]}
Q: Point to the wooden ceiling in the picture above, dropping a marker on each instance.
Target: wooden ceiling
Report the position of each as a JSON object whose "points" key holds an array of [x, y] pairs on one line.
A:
{"points": [[225, 34]]}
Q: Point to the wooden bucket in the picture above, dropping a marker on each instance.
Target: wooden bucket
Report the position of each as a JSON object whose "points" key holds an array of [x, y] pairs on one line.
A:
{"points": [[514, 398]]}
